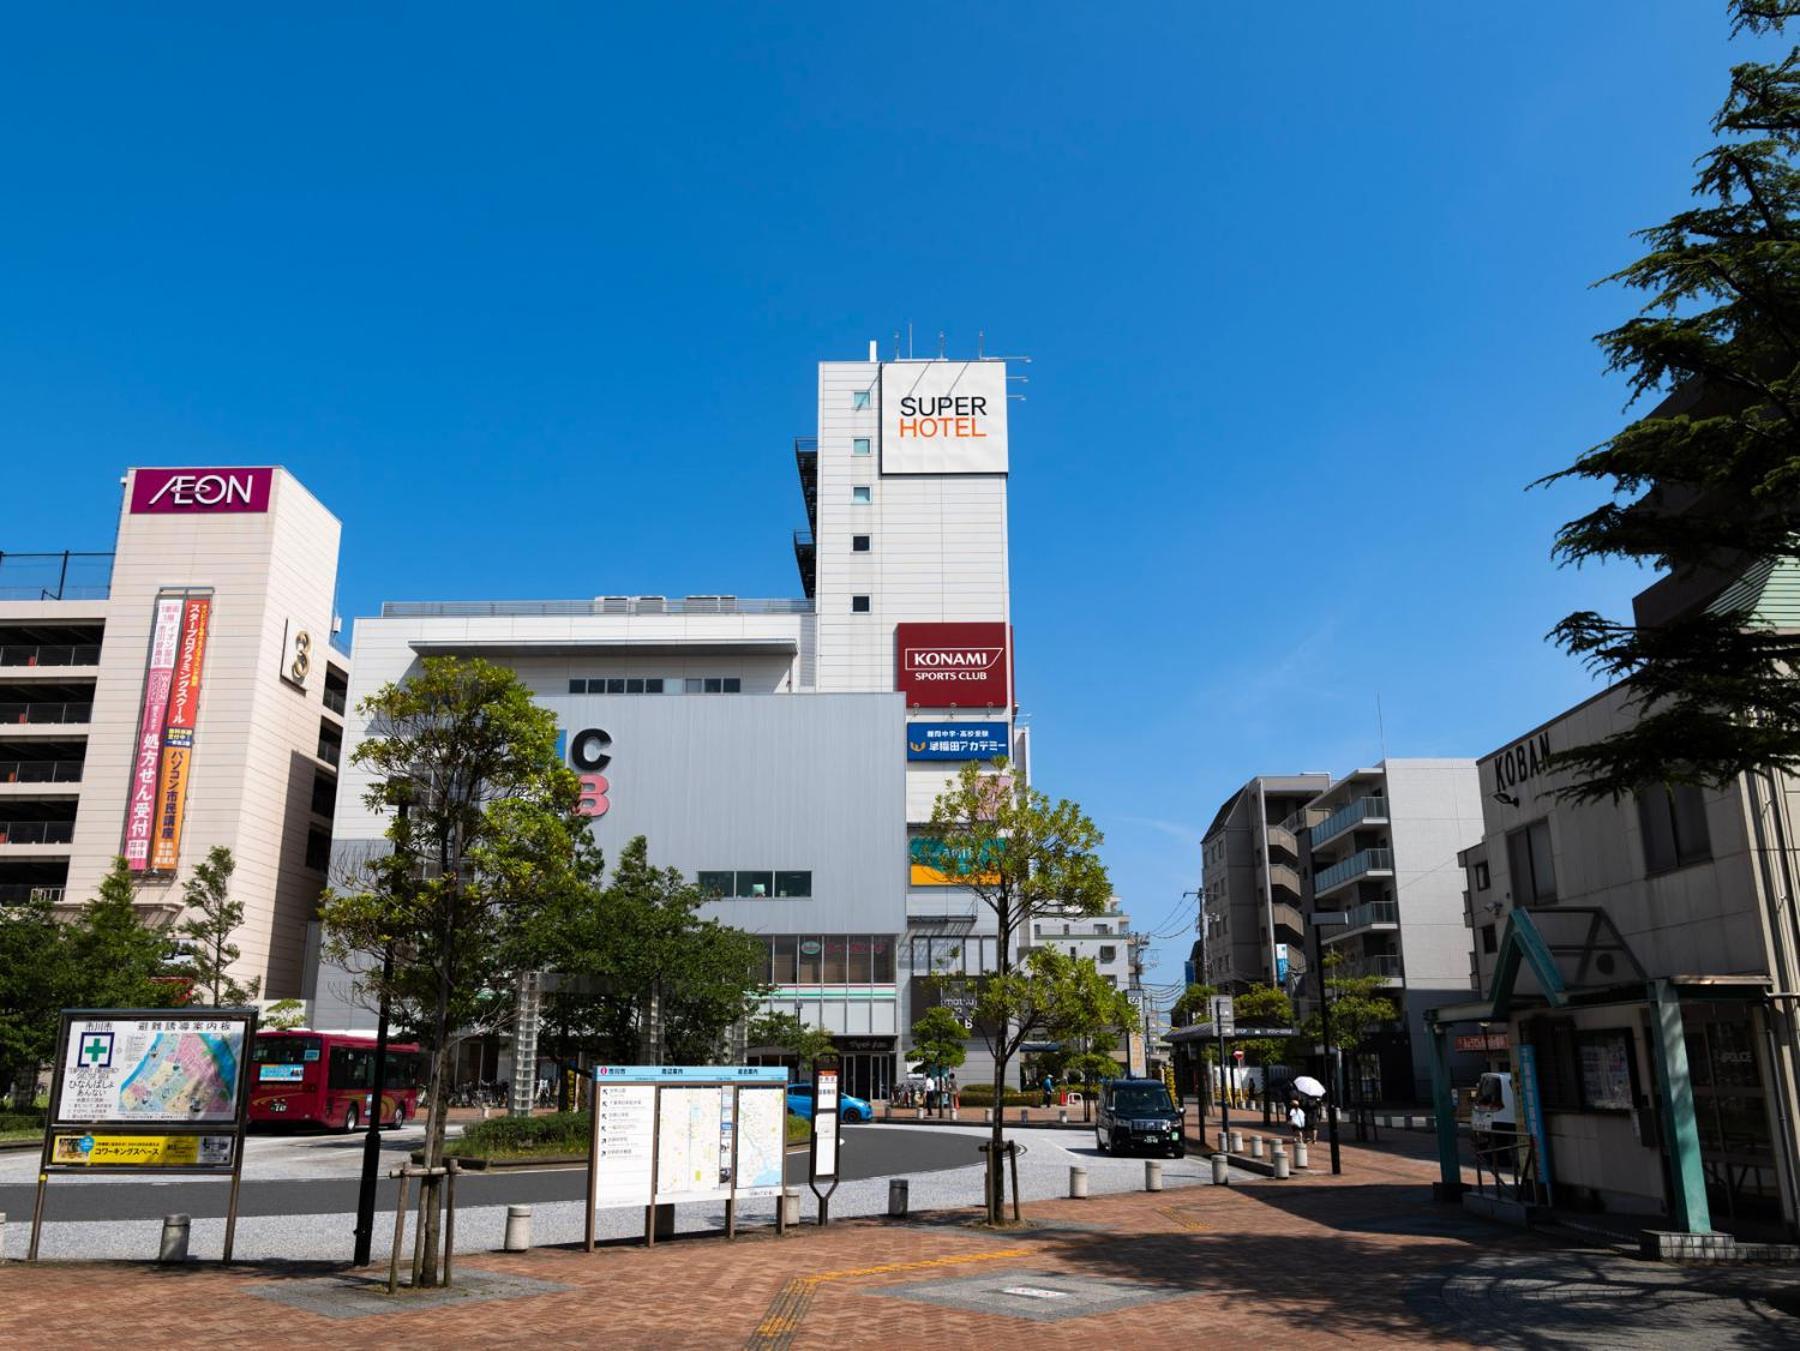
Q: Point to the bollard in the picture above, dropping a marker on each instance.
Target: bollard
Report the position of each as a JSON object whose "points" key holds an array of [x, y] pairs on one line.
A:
{"points": [[1237, 1142], [988, 1116], [1078, 1184], [897, 1198], [518, 1229], [1221, 1171], [1152, 1175], [1256, 1146], [1280, 1156], [1024, 1115], [790, 1205], [1299, 1153], [1062, 1117], [2, 1235], [174, 1246], [918, 1114]]}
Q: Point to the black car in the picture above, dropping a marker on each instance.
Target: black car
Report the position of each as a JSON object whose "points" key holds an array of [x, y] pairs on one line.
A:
{"points": [[1138, 1114]]}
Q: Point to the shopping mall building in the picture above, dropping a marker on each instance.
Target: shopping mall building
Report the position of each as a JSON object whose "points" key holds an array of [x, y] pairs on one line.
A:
{"points": [[178, 692], [785, 753]]}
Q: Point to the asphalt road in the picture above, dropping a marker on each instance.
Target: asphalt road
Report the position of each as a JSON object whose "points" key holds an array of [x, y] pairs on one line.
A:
{"points": [[868, 1152]]}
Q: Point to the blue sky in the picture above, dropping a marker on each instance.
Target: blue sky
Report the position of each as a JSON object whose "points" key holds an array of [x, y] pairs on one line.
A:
{"points": [[531, 299]]}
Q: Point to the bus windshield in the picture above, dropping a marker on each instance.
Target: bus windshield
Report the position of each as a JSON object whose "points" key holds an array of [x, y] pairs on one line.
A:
{"points": [[285, 1050]]}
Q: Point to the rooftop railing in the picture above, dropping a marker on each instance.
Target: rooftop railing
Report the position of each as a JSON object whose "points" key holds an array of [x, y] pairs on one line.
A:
{"points": [[49, 654], [63, 576], [46, 713], [1350, 814], [11, 893], [37, 832], [600, 605]]}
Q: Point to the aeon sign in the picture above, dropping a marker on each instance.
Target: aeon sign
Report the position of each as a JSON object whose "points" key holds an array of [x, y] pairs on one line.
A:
{"points": [[175, 491], [952, 665]]}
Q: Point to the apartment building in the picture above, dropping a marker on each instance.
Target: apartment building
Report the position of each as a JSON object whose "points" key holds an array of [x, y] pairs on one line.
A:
{"points": [[1250, 909]]}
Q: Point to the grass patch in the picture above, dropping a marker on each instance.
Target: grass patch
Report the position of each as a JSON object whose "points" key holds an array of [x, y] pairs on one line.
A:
{"points": [[21, 1126]]}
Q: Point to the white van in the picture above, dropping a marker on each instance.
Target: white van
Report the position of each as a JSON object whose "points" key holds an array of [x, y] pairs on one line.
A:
{"points": [[1492, 1113]]}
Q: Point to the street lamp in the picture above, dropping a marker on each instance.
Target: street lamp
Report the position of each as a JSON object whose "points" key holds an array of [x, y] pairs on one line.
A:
{"points": [[1316, 921]]}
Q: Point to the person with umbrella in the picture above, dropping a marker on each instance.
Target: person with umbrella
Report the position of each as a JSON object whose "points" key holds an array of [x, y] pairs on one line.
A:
{"points": [[1311, 1093]]}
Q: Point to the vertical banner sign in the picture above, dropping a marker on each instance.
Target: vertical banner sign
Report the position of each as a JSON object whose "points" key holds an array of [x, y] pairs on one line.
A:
{"points": [[140, 815], [178, 736], [1532, 1100]]}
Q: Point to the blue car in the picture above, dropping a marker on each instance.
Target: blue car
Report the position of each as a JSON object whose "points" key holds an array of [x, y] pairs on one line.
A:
{"points": [[800, 1103]]}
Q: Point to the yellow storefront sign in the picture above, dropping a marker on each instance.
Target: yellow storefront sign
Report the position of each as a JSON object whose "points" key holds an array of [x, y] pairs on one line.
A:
{"points": [[142, 1151]]}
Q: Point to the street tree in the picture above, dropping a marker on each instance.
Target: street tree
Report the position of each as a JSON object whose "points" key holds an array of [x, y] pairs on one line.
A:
{"points": [[35, 982], [790, 1033], [1258, 1007], [116, 960], [483, 831], [1192, 1007], [284, 1015], [211, 917], [938, 1046], [1706, 484], [1022, 856], [1359, 1011]]}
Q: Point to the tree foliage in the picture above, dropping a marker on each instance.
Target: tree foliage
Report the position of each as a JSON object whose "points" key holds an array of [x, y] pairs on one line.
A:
{"points": [[1262, 1006], [1706, 484], [937, 1040], [1359, 1010], [790, 1033], [1192, 1007], [211, 917]]}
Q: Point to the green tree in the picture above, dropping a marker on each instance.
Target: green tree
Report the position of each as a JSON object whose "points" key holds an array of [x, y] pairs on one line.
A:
{"points": [[1022, 856], [483, 834], [1359, 1010], [1707, 484], [786, 1032], [1192, 1007], [212, 918], [284, 1015], [35, 981], [938, 1040], [115, 960]]}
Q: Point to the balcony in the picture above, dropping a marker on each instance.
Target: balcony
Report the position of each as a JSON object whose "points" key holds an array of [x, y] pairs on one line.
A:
{"points": [[1282, 839], [40, 771], [1284, 878], [1365, 918], [1371, 811], [806, 558], [30, 655], [1288, 917], [806, 460], [1365, 863], [32, 714], [37, 832], [1383, 965], [11, 893]]}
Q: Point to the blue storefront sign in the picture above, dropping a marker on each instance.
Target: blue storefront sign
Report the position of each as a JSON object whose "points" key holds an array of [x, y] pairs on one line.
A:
{"points": [[1533, 1103], [955, 740]]}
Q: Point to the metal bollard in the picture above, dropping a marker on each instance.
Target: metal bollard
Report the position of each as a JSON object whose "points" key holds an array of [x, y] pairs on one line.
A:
{"points": [[988, 1116], [790, 1205], [1256, 1146], [518, 1229], [1152, 1175], [1280, 1156], [1299, 1153], [1237, 1142], [1024, 1115], [1078, 1184], [174, 1246], [1062, 1117], [1221, 1170], [918, 1114], [897, 1198]]}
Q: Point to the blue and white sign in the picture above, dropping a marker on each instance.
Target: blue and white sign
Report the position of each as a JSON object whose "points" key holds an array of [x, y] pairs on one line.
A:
{"points": [[676, 1074], [956, 740], [1281, 965], [1532, 1101]]}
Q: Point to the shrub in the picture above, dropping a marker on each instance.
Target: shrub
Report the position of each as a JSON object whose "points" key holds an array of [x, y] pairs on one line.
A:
{"points": [[556, 1133], [21, 1123], [799, 1129]]}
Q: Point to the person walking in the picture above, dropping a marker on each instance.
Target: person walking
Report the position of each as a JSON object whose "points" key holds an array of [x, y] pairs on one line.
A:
{"points": [[1049, 1087], [1297, 1120], [955, 1097], [930, 1091]]}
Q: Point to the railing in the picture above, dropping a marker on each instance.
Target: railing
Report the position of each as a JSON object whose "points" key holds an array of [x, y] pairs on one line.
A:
{"points": [[11, 893], [37, 832], [48, 654], [1351, 814], [1367, 860], [63, 576], [600, 605], [334, 700], [329, 751], [40, 771], [1372, 912], [30, 713], [1383, 964]]}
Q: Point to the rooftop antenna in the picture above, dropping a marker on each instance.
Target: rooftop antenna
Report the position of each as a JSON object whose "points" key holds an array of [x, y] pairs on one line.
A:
{"points": [[940, 344], [896, 344], [1380, 726], [909, 343], [980, 342]]}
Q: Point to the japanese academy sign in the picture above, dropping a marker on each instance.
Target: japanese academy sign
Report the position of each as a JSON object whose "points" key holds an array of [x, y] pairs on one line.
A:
{"points": [[956, 740]]}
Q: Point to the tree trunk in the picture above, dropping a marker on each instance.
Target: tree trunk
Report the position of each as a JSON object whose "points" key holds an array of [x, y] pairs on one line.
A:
{"points": [[996, 1169]]}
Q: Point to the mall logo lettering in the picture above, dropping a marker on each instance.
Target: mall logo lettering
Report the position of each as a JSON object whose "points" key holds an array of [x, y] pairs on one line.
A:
{"points": [[953, 665], [156, 492], [590, 751], [1518, 765]]}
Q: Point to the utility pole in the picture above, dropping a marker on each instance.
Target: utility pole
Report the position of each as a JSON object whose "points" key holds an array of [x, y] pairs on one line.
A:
{"points": [[1318, 920]]}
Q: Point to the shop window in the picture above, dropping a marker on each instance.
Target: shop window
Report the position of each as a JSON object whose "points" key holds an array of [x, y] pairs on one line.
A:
{"points": [[756, 884], [786, 969], [881, 960], [1533, 869], [859, 605], [811, 955], [766, 974], [793, 884], [837, 961], [1674, 827], [714, 883]]}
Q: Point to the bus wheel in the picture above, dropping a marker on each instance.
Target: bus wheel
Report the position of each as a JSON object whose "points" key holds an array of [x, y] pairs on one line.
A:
{"points": [[399, 1116], [350, 1117]]}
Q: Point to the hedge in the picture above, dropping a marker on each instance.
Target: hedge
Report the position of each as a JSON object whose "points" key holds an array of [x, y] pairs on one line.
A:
{"points": [[556, 1133], [21, 1123], [982, 1095]]}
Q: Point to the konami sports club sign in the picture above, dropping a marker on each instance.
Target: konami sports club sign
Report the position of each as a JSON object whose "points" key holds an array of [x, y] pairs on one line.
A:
{"points": [[943, 417], [953, 665]]}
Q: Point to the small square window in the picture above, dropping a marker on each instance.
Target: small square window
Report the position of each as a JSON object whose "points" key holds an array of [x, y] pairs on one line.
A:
{"points": [[615, 685], [714, 685], [859, 446], [793, 884], [653, 685], [859, 544], [691, 684], [578, 687], [756, 885], [733, 685], [861, 494], [714, 884], [859, 605], [859, 399], [634, 684]]}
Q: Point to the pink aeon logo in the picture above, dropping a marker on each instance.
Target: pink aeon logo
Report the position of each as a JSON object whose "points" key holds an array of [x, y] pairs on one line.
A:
{"points": [[174, 491]]}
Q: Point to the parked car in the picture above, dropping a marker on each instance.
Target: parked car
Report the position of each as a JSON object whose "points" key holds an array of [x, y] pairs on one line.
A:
{"points": [[1138, 1114], [800, 1103], [1492, 1116]]}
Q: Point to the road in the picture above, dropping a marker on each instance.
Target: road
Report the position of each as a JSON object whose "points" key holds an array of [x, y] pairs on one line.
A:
{"points": [[319, 1177]]}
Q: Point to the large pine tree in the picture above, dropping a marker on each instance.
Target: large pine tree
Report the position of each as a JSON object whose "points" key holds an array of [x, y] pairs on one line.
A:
{"points": [[1707, 484]]}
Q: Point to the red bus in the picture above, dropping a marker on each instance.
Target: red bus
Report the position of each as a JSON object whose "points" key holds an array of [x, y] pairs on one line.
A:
{"points": [[326, 1078]]}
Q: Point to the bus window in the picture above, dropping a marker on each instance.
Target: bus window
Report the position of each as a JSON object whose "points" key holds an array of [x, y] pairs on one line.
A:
{"points": [[351, 1067], [285, 1050], [402, 1069]]}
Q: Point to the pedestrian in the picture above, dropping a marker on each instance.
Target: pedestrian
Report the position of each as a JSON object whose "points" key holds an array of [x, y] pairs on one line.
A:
{"points": [[955, 1097], [1297, 1120], [1049, 1090], [930, 1092]]}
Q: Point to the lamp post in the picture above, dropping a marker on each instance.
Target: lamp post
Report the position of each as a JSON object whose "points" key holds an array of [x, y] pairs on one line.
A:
{"points": [[371, 1161], [1317, 920]]}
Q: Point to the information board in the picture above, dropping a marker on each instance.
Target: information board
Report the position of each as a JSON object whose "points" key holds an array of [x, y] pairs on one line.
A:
{"points": [[143, 1070], [626, 1141], [186, 1152], [825, 1123], [693, 1144], [761, 1141]]}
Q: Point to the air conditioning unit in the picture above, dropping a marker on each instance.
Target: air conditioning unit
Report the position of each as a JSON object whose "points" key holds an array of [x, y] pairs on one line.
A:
{"points": [[651, 605]]}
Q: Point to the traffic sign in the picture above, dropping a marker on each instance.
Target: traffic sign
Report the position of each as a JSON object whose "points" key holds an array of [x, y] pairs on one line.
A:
{"points": [[1224, 1021]]}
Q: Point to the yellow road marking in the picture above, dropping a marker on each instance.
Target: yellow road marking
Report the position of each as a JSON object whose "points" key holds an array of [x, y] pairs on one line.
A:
{"points": [[789, 1307]]}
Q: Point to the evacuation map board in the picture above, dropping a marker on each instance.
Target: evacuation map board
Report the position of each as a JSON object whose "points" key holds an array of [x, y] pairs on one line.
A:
{"points": [[151, 1070], [761, 1140]]}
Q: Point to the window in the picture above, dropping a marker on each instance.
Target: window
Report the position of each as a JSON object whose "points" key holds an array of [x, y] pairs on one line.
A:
{"points": [[715, 685], [1482, 879], [691, 684], [318, 850], [714, 884], [1674, 826], [881, 960], [859, 446], [861, 494], [614, 685], [837, 960], [578, 687], [1103, 928], [1533, 870], [756, 884], [634, 684], [1108, 953], [859, 399], [351, 1067], [810, 951], [653, 685], [793, 884], [733, 685], [786, 948], [324, 794], [859, 544], [859, 605], [1489, 943]]}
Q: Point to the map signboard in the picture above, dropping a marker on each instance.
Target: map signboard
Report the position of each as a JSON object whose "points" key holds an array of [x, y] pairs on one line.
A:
{"points": [[150, 1070]]}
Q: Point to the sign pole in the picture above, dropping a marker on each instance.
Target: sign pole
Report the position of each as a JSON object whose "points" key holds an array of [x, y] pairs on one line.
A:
{"points": [[50, 1115], [243, 1128], [593, 1168], [826, 1071]]}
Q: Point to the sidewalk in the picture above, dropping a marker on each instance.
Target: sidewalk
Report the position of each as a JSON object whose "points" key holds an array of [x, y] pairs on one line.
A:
{"points": [[1362, 1260]]}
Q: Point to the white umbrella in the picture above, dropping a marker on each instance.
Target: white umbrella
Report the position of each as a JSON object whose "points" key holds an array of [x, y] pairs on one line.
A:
{"points": [[1309, 1086]]}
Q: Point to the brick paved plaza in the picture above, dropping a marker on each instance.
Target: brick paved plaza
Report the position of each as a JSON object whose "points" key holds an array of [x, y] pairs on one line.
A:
{"points": [[1366, 1260]]}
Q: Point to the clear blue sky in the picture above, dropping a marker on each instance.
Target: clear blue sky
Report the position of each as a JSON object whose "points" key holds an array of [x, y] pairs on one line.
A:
{"points": [[531, 296]]}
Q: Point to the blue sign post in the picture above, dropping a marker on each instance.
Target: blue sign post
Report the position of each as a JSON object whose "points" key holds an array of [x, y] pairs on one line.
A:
{"points": [[1532, 1102], [956, 740]]}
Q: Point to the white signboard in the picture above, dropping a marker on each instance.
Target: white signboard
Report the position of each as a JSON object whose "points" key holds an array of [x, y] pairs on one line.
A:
{"points": [[761, 1140], [150, 1070], [943, 417], [626, 1126], [670, 1133], [1224, 1019]]}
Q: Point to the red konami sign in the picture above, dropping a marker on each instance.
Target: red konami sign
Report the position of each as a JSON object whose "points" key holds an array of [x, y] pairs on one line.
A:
{"points": [[945, 665]]}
